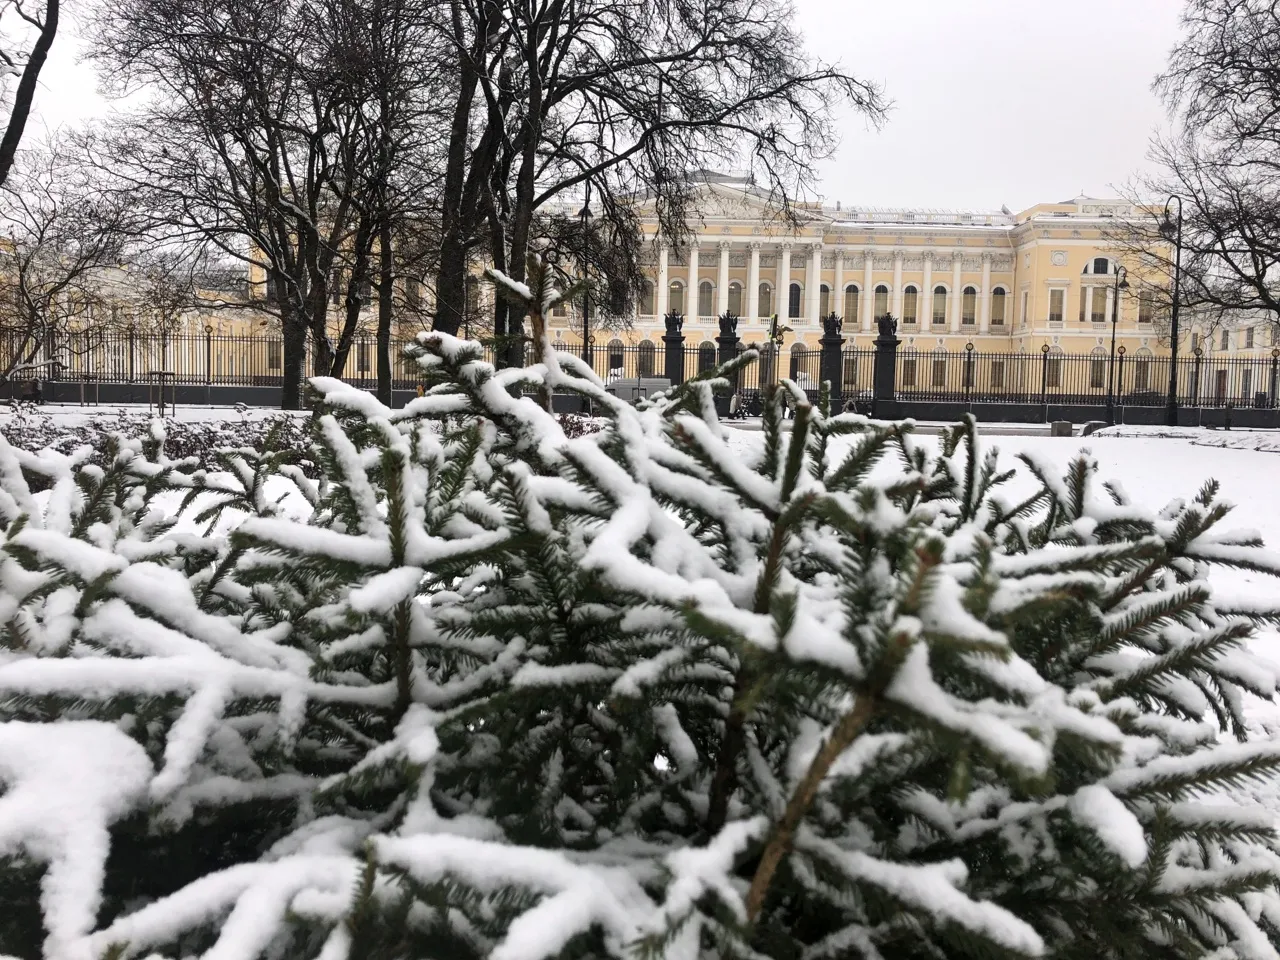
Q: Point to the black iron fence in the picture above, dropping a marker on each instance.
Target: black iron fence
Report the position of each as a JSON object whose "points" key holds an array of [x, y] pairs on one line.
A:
{"points": [[1205, 380]]}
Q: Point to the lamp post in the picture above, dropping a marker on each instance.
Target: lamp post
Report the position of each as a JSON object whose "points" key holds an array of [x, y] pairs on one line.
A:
{"points": [[1121, 283], [584, 215], [1171, 230]]}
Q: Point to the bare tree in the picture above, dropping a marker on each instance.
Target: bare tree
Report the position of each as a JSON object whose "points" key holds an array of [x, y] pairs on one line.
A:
{"points": [[19, 20], [629, 97], [1222, 159], [59, 264]]}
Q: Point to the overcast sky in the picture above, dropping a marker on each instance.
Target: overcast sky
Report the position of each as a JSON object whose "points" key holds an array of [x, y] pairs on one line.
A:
{"points": [[995, 101]]}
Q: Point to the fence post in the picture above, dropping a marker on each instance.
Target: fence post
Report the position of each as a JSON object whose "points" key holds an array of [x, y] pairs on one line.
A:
{"points": [[132, 352], [830, 359], [968, 372], [674, 340], [884, 394], [728, 341], [208, 354], [1044, 374], [1275, 357], [1195, 377]]}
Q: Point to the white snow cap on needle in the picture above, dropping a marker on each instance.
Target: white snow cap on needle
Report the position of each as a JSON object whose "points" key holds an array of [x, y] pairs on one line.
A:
{"points": [[1097, 808], [66, 783]]}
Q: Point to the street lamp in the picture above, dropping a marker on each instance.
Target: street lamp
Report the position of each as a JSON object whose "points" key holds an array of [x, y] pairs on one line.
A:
{"points": [[1121, 283], [1171, 230], [584, 215]]}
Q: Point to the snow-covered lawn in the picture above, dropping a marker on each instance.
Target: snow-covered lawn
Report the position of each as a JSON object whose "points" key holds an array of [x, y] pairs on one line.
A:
{"points": [[74, 413]]}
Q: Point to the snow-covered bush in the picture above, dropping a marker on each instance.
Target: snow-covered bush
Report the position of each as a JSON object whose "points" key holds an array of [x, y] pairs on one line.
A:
{"points": [[30, 428], [505, 693]]}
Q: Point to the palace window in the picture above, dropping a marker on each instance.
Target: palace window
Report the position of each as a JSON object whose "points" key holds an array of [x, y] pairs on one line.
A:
{"points": [[675, 297], [1248, 338], [910, 302], [706, 356], [1101, 265], [1057, 303], [909, 372], [645, 357], [851, 302], [1226, 340], [997, 307], [647, 299], [616, 355], [1146, 306], [799, 357], [794, 299], [765, 306], [824, 300], [275, 354], [1098, 369], [969, 306], [735, 299], [706, 299], [938, 378], [1022, 315], [939, 305], [1142, 373], [882, 300], [1098, 309], [362, 356]]}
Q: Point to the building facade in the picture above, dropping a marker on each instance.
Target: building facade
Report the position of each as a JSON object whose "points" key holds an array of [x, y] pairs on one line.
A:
{"points": [[1004, 282]]}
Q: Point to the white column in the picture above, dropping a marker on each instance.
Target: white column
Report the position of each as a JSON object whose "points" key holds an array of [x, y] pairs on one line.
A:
{"points": [[984, 311], [897, 285], [664, 281], [722, 281], [837, 292], [814, 285], [753, 282], [868, 295], [1086, 297], [926, 294], [781, 296], [691, 294], [957, 266]]}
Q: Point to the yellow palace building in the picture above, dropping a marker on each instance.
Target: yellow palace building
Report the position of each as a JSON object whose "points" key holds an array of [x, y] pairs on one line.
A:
{"points": [[1007, 282]]}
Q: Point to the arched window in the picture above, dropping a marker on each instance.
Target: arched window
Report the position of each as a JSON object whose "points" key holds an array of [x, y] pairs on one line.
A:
{"points": [[735, 299], [798, 361], [675, 297], [882, 300], [615, 356], [1097, 368], [794, 297], [824, 300], [851, 302], [768, 363], [765, 306], [706, 299], [1101, 265], [997, 307], [706, 356], [939, 305], [647, 299], [645, 355], [910, 301], [1142, 370], [969, 306]]}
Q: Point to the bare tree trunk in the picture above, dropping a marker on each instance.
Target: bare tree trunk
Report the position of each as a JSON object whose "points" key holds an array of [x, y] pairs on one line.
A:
{"points": [[351, 301], [295, 354], [386, 291], [25, 95]]}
